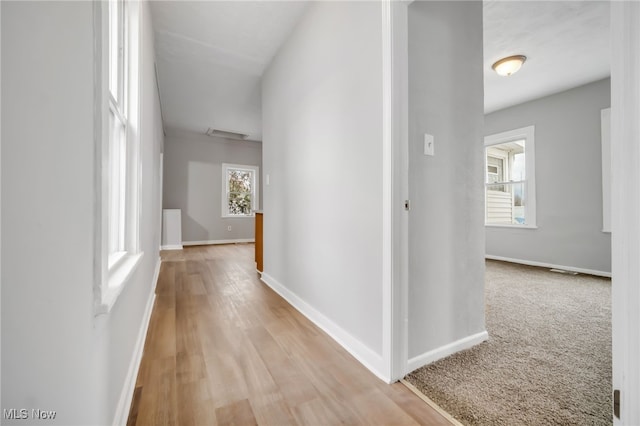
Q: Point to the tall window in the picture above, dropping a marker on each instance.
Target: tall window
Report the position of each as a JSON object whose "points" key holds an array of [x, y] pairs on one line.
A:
{"points": [[119, 250], [509, 178], [240, 190]]}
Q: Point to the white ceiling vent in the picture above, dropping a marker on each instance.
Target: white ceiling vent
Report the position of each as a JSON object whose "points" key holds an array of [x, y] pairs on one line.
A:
{"points": [[226, 134]]}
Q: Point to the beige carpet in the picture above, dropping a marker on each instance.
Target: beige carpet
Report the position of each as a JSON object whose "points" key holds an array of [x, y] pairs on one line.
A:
{"points": [[547, 360]]}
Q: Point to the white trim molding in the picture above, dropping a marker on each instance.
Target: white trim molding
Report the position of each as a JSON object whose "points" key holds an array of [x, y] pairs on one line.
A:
{"points": [[446, 350], [118, 278], [387, 188], [395, 189], [503, 225], [371, 360], [550, 265], [214, 242], [625, 207], [126, 395], [172, 247]]}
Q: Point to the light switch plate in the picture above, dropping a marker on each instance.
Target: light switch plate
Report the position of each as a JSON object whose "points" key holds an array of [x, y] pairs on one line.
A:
{"points": [[429, 148]]}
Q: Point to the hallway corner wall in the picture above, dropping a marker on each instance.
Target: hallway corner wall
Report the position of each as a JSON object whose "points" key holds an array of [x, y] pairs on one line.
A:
{"points": [[446, 232]]}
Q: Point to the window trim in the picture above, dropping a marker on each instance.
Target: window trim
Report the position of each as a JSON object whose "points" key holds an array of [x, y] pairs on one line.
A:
{"points": [[528, 134], [113, 270], [255, 201]]}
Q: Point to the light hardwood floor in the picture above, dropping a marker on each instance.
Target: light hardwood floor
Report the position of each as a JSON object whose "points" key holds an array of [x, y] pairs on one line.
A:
{"points": [[222, 348]]}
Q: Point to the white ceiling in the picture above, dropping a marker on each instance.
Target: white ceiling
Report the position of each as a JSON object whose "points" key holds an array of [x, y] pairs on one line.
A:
{"points": [[566, 44], [211, 54]]}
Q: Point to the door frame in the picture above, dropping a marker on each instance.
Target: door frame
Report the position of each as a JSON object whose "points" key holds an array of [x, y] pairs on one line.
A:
{"points": [[625, 207], [395, 159]]}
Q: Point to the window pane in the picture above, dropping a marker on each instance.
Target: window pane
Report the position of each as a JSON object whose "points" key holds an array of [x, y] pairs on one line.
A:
{"points": [[114, 48], [517, 170], [505, 162], [240, 180], [240, 191], [506, 204], [117, 186], [495, 169], [239, 203]]}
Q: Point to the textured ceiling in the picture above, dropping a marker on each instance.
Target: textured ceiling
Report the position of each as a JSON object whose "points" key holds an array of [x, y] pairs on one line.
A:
{"points": [[566, 44], [211, 54]]}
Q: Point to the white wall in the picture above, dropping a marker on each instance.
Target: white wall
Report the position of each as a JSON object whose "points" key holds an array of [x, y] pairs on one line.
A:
{"points": [[193, 183], [322, 148], [568, 180], [56, 355], [446, 235], [0, 194]]}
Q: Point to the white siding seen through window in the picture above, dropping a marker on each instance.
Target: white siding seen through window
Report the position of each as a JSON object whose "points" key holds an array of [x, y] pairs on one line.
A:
{"points": [[510, 178]]}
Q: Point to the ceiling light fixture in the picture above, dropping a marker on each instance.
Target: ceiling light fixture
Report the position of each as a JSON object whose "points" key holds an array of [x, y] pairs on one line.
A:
{"points": [[226, 134], [509, 65]]}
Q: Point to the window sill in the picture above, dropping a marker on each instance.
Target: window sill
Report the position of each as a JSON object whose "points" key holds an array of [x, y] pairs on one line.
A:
{"points": [[119, 275], [115, 259], [511, 226]]}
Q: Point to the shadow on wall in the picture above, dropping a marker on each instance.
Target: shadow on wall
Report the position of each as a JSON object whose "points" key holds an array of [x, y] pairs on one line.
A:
{"points": [[192, 227], [191, 186], [201, 198]]}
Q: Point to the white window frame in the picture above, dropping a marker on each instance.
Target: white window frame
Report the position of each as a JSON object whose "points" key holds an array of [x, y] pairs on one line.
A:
{"points": [[117, 144], [225, 189], [118, 251], [528, 134]]}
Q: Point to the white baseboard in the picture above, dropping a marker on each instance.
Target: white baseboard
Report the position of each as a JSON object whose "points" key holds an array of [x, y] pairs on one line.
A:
{"points": [[371, 360], [124, 403], [211, 242], [550, 266], [446, 350], [171, 247]]}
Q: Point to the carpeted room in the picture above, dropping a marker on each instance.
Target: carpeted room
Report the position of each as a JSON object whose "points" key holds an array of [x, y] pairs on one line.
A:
{"points": [[548, 357]]}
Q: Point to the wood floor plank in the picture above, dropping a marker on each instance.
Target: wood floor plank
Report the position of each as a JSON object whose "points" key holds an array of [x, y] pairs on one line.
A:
{"points": [[238, 413], [224, 349], [135, 404], [414, 406], [195, 406], [271, 409], [161, 341], [294, 386], [187, 324], [256, 374], [226, 378], [190, 367], [315, 412], [194, 284], [158, 397], [376, 408]]}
